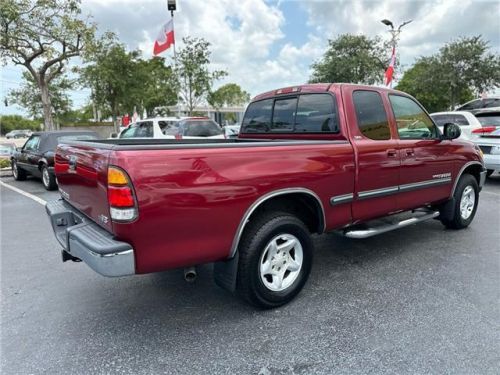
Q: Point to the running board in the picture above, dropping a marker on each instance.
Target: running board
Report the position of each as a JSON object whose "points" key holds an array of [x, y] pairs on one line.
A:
{"points": [[387, 227]]}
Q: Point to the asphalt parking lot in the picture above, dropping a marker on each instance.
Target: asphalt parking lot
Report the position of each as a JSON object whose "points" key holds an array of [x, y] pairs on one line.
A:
{"points": [[420, 300]]}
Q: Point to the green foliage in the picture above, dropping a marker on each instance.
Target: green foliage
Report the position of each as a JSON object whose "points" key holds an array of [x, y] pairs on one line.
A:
{"points": [[28, 96], [195, 80], [228, 95], [4, 163], [13, 122], [121, 80], [461, 69], [351, 58], [159, 86], [42, 35]]}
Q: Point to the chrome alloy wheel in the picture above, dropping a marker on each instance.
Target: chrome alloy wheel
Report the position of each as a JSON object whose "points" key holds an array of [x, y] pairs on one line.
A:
{"points": [[14, 169], [467, 202], [46, 177], [281, 262]]}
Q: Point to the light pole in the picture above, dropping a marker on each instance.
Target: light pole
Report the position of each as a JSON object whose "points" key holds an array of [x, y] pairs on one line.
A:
{"points": [[394, 41], [395, 32]]}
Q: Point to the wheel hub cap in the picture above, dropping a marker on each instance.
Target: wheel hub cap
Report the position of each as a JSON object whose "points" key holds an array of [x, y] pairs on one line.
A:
{"points": [[45, 177], [281, 262], [467, 202]]}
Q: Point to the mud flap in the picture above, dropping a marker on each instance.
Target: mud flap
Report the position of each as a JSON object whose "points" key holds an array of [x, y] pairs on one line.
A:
{"points": [[225, 273], [447, 210]]}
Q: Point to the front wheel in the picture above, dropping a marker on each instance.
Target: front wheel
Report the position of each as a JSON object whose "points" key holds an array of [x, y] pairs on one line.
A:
{"points": [[18, 173], [48, 179], [466, 201], [275, 258]]}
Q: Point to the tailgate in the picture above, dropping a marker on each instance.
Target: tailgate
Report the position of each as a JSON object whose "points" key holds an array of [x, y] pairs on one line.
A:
{"points": [[81, 172]]}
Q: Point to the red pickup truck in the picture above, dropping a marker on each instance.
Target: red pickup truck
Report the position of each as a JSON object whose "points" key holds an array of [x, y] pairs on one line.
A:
{"points": [[309, 159]]}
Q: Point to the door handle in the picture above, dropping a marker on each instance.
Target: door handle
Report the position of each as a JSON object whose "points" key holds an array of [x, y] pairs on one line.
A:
{"points": [[409, 152], [392, 153]]}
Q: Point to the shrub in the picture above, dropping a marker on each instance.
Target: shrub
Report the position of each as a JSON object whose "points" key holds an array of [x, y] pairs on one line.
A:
{"points": [[4, 163], [13, 122]]}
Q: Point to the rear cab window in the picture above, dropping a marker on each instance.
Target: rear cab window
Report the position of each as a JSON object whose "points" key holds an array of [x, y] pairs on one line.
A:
{"points": [[304, 113], [371, 115]]}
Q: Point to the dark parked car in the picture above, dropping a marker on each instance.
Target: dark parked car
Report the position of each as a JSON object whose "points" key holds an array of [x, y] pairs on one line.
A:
{"points": [[36, 157]]}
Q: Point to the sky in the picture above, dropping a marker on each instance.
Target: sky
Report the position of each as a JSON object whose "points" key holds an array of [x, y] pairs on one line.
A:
{"points": [[264, 45]]}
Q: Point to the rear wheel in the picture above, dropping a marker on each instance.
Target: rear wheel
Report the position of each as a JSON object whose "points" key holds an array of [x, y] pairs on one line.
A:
{"points": [[48, 179], [275, 258], [18, 173], [466, 201]]}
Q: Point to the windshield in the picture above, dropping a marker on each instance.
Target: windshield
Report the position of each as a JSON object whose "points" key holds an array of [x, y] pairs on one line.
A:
{"points": [[201, 129], [489, 120]]}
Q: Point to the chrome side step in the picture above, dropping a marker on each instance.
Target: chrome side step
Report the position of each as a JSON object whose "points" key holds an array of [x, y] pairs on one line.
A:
{"points": [[387, 227]]}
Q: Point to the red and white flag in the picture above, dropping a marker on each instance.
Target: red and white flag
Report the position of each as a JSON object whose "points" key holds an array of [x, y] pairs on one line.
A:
{"points": [[165, 38], [390, 70]]}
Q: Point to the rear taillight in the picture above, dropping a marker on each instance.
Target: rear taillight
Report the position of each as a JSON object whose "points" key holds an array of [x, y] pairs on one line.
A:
{"points": [[121, 199], [484, 130]]}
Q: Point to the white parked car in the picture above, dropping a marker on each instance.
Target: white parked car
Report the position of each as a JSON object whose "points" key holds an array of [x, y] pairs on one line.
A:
{"points": [[471, 127], [480, 104], [174, 128], [490, 145]]}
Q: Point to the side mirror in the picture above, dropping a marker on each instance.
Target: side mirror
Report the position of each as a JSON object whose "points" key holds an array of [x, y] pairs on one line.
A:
{"points": [[451, 131], [114, 135]]}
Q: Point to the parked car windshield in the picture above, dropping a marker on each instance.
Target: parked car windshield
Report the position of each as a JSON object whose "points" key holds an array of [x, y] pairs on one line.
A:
{"points": [[201, 129]]}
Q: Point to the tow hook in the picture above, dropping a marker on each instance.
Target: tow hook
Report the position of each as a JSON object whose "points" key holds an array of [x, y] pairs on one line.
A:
{"points": [[190, 274]]}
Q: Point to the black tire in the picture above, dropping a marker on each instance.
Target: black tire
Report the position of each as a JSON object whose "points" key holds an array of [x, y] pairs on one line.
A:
{"points": [[18, 173], [259, 233], [489, 172], [459, 221], [48, 179]]}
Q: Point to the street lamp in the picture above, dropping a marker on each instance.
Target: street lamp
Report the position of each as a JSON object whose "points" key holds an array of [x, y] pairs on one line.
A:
{"points": [[395, 32]]}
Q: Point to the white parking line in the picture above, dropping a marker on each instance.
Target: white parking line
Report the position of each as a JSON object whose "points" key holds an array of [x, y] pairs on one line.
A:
{"points": [[490, 192], [22, 192]]}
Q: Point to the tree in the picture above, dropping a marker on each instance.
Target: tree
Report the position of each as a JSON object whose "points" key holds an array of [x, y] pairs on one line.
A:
{"points": [[195, 80], [467, 64], [351, 58], [113, 78], [42, 36], [13, 122], [461, 69], [229, 95], [28, 96], [159, 86]]}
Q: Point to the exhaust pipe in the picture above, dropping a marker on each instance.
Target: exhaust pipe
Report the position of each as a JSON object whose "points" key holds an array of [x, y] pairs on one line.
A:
{"points": [[190, 274]]}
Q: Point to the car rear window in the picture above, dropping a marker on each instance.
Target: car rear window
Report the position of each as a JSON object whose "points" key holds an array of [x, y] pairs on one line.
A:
{"points": [[307, 113], [79, 137], [489, 119], [440, 120], [201, 129]]}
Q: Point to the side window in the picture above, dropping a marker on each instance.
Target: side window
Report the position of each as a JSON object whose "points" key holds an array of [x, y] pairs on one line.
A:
{"points": [[32, 143], [316, 113], [284, 114], [371, 116], [411, 120], [258, 117], [144, 130], [129, 132]]}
